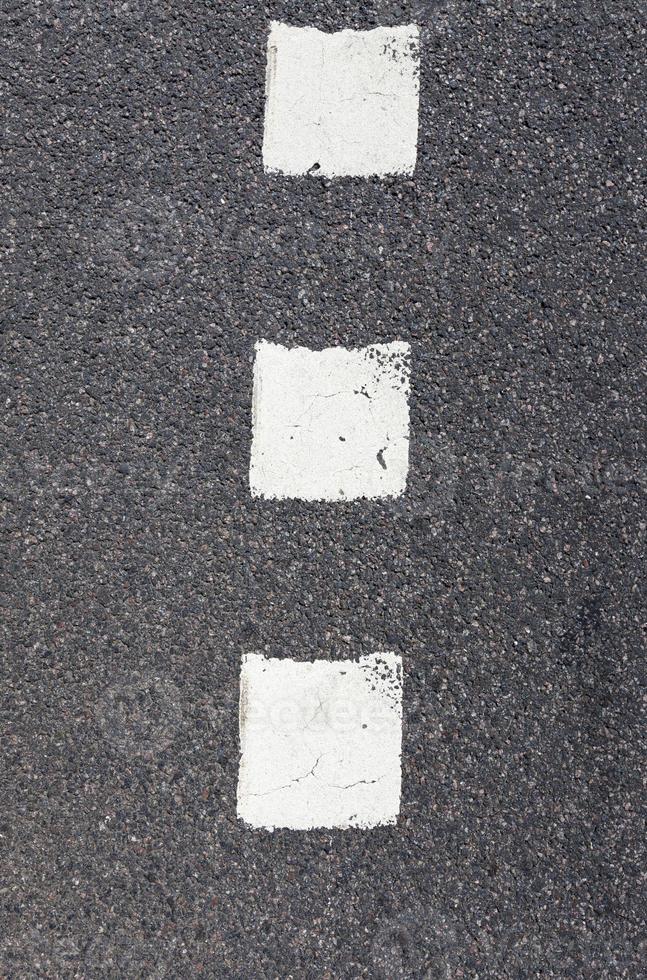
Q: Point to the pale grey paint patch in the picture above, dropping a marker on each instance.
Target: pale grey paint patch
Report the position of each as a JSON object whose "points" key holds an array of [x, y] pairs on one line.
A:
{"points": [[330, 424], [320, 742], [341, 104]]}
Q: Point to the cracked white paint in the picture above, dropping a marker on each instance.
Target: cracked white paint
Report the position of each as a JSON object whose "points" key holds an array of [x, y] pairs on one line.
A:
{"points": [[341, 104], [330, 424], [320, 742]]}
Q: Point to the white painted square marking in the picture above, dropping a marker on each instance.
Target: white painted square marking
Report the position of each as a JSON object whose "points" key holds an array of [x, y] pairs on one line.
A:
{"points": [[330, 424], [320, 742], [343, 104]]}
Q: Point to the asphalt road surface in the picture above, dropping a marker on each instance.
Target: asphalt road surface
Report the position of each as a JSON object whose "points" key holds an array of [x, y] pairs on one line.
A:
{"points": [[146, 252]]}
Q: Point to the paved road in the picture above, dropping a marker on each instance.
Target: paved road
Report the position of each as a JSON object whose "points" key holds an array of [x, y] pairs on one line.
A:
{"points": [[147, 252]]}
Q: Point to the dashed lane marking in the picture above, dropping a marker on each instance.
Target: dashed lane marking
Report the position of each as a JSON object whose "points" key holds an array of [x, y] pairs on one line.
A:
{"points": [[342, 104], [320, 742], [330, 424]]}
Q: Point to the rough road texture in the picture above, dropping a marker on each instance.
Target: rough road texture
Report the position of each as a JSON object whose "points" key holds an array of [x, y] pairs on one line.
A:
{"points": [[146, 253]]}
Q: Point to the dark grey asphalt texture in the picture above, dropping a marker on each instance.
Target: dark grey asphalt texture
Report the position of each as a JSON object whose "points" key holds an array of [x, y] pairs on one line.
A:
{"points": [[146, 252]]}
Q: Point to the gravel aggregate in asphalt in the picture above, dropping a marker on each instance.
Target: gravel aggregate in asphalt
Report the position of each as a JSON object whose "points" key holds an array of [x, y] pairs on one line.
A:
{"points": [[146, 253]]}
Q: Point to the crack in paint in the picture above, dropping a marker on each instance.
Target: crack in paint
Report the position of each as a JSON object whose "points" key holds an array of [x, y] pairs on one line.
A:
{"points": [[297, 779], [359, 782]]}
